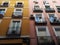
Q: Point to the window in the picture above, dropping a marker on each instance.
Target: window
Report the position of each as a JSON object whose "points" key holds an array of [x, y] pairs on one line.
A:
{"points": [[2, 12], [19, 4], [52, 15], [5, 4], [43, 34], [39, 18], [45, 2], [58, 8], [3, 9], [18, 12], [57, 29], [36, 7], [15, 27], [47, 7], [38, 15], [42, 31]]}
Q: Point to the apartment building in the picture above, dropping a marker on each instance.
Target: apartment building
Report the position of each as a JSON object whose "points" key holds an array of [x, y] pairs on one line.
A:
{"points": [[30, 22]]}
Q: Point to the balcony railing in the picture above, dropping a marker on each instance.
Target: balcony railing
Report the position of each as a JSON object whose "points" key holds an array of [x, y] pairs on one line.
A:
{"points": [[45, 41]]}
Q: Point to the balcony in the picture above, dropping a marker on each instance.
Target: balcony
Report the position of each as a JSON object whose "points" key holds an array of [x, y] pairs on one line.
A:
{"points": [[17, 13], [43, 36], [19, 5], [54, 21], [37, 9], [5, 4], [44, 40]]}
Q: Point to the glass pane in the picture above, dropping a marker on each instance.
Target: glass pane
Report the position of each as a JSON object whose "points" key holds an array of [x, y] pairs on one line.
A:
{"points": [[57, 29], [41, 29]]}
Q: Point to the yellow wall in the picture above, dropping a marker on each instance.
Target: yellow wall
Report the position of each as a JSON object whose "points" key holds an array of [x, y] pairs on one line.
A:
{"points": [[7, 18]]}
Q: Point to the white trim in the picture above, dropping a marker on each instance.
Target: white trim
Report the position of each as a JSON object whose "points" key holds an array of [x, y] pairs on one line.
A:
{"points": [[48, 34]]}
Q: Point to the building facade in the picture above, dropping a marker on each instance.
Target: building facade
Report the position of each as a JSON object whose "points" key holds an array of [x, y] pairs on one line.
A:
{"points": [[30, 22]]}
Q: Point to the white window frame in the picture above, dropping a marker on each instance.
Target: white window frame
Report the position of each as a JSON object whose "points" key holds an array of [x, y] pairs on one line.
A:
{"points": [[47, 31], [9, 31]]}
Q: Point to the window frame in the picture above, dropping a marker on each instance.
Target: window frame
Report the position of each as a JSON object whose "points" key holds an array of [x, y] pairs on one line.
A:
{"points": [[47, 31], [10, 28]]}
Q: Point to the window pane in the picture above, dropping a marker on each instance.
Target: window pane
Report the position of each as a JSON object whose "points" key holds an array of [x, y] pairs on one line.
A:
{"points": [[41, 29], [57, 29]]}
